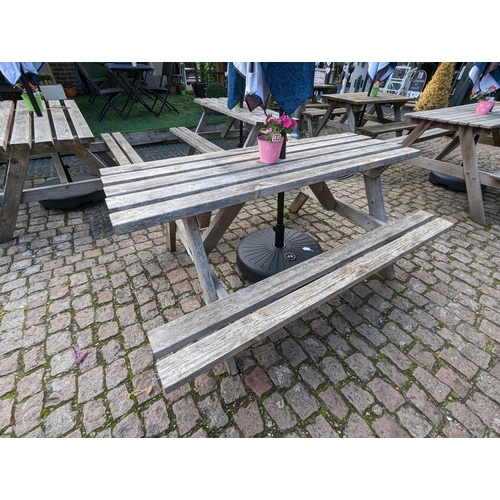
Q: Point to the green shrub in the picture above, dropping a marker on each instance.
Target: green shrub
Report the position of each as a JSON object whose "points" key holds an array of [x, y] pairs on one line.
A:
{"points": [[215, 90]]}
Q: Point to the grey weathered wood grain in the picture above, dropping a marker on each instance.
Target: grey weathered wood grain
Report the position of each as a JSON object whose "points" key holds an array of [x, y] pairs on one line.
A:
{"points": [[197, 142], [198, 357], [172, 336], [185, 202], [82, 130], [6, 116], [21, 135], [62, 129]]}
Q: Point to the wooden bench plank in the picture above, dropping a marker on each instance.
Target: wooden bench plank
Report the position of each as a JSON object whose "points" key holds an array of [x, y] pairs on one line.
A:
{"points": [[122, 197], [198, 357], [255, 117], [131, 153], [197, 142], [317, 113], [121, 149], [6, 116], [385, 128], [62, 128], [432, 133], [81, 127], [170, 337], [21, 135]]}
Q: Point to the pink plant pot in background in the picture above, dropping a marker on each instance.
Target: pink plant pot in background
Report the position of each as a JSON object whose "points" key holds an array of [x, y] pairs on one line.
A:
{"points": [[484, 107], [269, 151]]}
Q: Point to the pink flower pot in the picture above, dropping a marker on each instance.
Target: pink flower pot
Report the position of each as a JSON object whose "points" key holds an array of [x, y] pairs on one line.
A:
{"points": [[269, 151], [484, 107]]}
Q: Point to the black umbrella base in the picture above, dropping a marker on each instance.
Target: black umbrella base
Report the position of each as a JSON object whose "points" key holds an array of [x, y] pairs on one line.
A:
{"points": [[453, 183], [258, 257], [71, 202]]}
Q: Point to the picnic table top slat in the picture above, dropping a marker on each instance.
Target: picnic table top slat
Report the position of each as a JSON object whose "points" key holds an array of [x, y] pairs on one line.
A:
{"points": [[6, 115], [227, 180]]}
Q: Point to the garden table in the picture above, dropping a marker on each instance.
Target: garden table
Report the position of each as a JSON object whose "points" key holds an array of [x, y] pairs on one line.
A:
{"points": [[61, 129], [253, 120], [467, 127], [130, 77], [355, 104], [179, 189]]}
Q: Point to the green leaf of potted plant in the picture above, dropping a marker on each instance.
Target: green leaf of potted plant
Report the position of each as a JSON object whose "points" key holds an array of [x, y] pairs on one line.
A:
{"points": [[69, 89]]}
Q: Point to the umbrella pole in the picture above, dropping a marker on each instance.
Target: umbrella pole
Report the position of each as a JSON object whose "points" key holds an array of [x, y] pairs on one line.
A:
{"points": [[29, 92], [279, 228], [240, 145]]}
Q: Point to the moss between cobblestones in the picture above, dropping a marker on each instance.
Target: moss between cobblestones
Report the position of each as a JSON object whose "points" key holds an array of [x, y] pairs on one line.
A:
{"points": [[490, 346]]}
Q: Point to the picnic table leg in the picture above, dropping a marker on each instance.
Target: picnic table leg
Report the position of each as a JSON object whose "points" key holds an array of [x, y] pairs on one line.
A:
{"points": [[13, 192], [448, 149], [227, 126], [210, 284], [222, 220], [322, 121], [82, 153], [61, 172], [203, 121], [351, 118], [415, 133], [376, 208], [471, 174], [171, 232], [252, 137]]}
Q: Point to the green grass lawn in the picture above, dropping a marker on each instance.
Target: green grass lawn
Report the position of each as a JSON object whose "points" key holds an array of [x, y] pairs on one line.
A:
{"points": [[140, 119]]}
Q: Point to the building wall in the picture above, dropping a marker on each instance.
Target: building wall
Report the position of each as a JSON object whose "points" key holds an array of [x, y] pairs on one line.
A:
{"points": [[65, 71]]}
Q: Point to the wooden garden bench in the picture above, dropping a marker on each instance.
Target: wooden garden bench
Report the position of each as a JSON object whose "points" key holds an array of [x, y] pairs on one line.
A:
{"points": [[384, 128], [311, 114], [121, 149], [192, 344], [196, 141]]}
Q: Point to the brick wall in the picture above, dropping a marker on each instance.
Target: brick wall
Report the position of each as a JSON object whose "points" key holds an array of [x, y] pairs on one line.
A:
{"points": [[65, 71]]}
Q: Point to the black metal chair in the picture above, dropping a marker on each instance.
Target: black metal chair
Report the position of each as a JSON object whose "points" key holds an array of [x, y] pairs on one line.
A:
{"points": [[157, 87], [92, 87]]}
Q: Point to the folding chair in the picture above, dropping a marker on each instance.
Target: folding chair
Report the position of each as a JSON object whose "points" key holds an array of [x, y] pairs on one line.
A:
{"points": [[91, 86], [158, 87]]}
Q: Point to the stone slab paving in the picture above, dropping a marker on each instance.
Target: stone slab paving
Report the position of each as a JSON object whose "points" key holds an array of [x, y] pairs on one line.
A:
{"points": [[414, 357]]}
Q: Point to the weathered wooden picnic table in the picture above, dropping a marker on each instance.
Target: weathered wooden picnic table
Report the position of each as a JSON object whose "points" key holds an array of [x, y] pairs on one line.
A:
{"points": [[353, 107], [468, 128], [178, 189], [252, 120], [61, 129]]}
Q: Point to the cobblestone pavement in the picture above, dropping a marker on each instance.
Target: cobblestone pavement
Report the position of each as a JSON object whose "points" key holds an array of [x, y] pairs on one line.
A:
{"points": [[417, 356]]}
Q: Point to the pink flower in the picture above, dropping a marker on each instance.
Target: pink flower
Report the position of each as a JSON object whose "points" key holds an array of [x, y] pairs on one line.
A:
{"points": [[287, 122]]}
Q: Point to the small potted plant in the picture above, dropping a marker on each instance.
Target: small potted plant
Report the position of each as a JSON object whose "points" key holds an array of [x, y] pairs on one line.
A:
{"points": [[271, 142], [375, 89], [36, 94], [69, 89], [45, 79], [181, 89], [485, 99]]}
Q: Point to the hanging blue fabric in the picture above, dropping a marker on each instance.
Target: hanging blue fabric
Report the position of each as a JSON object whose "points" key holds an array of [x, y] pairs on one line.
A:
{"points": [[290, 84], [235, 86]]}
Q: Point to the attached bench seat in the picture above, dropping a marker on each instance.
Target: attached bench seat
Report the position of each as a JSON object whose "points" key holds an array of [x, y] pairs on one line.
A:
{"points": [[197, 142], [432, 133], [312, 114], [192, 344], [121, 149], [384, 128]]}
